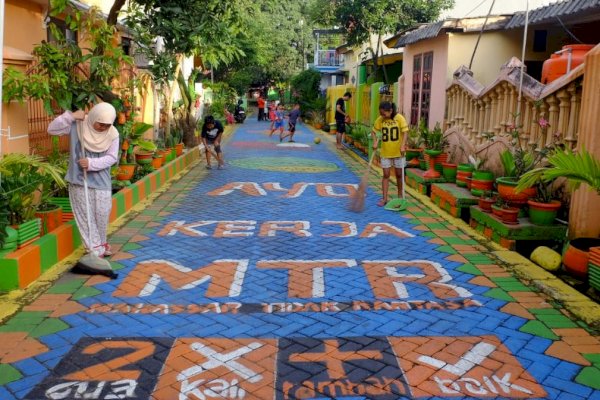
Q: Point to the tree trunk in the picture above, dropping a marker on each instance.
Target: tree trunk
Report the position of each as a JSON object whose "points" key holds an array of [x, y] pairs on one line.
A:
{"points": [[169, 101], [114, 12]]}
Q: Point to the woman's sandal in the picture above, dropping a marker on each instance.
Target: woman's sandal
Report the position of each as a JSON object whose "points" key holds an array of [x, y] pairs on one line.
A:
{"points": [[381, 203]]}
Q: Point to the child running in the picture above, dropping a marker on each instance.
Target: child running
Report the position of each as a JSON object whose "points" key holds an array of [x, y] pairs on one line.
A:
{"points": [[393, 130], [292, 121], [279, 121]]}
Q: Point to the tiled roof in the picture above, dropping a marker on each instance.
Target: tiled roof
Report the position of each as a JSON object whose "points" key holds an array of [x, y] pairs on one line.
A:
{"points": [[566, 8]]}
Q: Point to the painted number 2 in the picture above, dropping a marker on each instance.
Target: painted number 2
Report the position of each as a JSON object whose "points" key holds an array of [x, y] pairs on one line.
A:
{"points": [[109, 370]]}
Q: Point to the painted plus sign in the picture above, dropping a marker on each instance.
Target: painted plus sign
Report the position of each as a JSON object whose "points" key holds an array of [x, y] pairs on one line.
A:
{"points": [[334, 358]]}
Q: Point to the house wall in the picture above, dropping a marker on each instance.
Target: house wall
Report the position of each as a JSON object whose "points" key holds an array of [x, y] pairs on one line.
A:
{"points": [[20, 16], [439, 79], [494, 49]]}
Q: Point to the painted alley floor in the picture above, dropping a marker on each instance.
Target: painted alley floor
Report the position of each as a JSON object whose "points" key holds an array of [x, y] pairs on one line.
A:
{"points": [[257, 282]]}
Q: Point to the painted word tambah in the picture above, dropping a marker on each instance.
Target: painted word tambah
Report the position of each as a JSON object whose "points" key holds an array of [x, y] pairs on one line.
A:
{"points": [[306, 278], [244, 228], [258, 369]]}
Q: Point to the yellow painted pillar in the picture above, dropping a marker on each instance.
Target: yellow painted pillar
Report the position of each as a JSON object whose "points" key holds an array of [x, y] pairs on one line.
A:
{"points": [[584, 215]]}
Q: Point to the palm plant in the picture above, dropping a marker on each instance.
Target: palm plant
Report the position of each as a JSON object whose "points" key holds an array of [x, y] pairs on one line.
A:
{"points": [[578, 167], [22, 176]]}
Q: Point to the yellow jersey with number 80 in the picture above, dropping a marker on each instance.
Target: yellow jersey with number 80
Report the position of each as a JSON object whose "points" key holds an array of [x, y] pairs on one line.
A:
{"points": [[392, 135]]}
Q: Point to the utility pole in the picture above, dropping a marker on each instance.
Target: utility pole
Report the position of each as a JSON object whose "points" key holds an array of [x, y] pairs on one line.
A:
{"points": [[301, 22]]}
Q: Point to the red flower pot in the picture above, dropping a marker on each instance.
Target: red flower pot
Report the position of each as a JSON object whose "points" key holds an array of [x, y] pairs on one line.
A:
{"points": [[486, 204], [510, 215]]}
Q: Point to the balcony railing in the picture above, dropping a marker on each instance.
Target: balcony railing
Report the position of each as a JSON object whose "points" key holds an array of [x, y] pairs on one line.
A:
{"points": [[475, 113], [328, 58]]}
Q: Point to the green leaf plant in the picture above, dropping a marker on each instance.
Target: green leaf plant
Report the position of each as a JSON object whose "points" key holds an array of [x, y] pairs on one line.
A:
{"points": [[578, 168]]}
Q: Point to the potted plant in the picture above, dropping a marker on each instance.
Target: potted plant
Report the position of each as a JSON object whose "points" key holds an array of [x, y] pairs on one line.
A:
{"points": [[22, 178], [518, 160], [413, 147], [481, 180], [578, 168], [317, 117], [434, 147], [486, 201], [543, 207]]}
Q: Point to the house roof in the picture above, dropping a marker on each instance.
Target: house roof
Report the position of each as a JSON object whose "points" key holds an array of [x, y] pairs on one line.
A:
{"points": [[428, 31], [566, 9]]}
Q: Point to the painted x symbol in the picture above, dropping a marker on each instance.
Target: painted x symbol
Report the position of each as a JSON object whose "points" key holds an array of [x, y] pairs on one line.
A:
{"points": [[227, 360]]}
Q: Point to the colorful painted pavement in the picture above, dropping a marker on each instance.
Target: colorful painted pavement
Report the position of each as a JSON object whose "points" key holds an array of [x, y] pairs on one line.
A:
{"points": [[256, 282]]}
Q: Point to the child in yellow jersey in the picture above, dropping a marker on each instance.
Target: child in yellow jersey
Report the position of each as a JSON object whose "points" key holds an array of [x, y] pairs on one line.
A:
{"points": [[393, 130]]}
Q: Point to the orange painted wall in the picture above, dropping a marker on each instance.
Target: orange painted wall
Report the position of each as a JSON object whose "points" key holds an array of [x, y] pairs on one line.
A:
{"points": [[23, 24]]}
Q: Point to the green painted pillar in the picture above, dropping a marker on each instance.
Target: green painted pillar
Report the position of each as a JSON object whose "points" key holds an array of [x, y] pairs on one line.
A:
{"points": [[375, 99], [362, 74], [358, 100]]}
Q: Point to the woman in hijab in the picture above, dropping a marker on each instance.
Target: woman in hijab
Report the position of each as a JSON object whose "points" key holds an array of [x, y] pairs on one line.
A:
{"points": [[100, 141]]}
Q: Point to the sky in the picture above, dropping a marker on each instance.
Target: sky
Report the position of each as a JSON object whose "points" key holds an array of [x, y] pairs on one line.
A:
{"points": [[475, 8]]}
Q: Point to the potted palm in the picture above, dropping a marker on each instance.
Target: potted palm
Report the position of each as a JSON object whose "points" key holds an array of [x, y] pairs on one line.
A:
{"points": [[22, 178], [543, 207], [578, 168]]}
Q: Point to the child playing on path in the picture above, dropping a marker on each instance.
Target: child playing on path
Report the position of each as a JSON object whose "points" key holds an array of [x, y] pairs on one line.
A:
{"points": [[292, 121], [279, 121], [212, 131], [393, 130]]}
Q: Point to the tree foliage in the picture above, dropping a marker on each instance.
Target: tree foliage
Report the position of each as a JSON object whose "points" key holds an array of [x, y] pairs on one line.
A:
{"points": [[65, 74], [362, 18]]}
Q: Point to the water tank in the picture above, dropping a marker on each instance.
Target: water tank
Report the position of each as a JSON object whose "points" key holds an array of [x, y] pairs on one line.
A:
{"points": [[556, 66]]}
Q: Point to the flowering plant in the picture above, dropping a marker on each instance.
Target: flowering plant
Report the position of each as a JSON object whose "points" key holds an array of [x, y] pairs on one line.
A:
{"points": [[521, 158]]}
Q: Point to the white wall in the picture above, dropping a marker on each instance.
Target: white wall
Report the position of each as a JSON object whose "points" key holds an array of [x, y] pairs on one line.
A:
{"points": [[470, 8]]}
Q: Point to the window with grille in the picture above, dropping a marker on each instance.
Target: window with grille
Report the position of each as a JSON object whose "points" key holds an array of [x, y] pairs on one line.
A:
{"points": [[421, 87]]}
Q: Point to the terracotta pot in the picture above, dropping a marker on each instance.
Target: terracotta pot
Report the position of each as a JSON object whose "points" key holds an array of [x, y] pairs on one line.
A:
{"points": [[143, 157], [412, 157], [543, 213], [510, 215], [157, 162], [463, 171], [449, 171], [481, 181], [486, 204], [432, 172], [179, 149], [576, 256], [126, 172], [506, 190], [497, 211], [51, 219]]}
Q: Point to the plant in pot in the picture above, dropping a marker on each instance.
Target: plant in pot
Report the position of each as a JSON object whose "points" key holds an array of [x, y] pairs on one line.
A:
{"points": [[578, 168], [22, 178], [518, 160], [50, 213], [449, 167], [317, 117], [413, 147], [544, 206], [487, 199], [434, 146]]}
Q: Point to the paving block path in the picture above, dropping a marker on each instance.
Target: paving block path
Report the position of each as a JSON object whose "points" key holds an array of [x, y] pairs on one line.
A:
{"points": [[257, 282]]}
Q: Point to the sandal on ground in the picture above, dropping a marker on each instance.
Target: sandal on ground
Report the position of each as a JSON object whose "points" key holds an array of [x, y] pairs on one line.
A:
{"points": [[107, 250], [208, 167], [381, 203]]}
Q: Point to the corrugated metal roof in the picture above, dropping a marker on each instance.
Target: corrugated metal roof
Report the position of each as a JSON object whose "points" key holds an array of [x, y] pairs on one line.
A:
{"points": [[550, 12], [424, 32]]}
